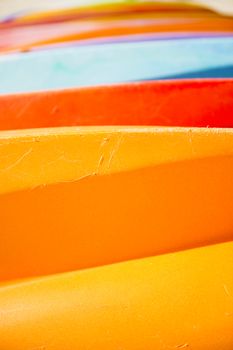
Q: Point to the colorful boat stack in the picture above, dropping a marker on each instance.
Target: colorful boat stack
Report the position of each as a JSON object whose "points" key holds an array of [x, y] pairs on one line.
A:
{"points": [[116, 175]]}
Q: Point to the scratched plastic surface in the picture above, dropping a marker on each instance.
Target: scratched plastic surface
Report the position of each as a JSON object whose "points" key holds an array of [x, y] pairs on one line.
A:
{"points": [[111, 190], [116, 200], [113, 63]]}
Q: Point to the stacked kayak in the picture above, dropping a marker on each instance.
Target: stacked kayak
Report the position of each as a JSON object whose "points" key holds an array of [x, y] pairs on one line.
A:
{"points": [[113, 42], [116, 166]]}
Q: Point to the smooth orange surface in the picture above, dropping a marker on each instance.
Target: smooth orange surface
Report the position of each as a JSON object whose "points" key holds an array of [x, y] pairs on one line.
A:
{"points": [[176, 301], [198, 103], [92, 196]]}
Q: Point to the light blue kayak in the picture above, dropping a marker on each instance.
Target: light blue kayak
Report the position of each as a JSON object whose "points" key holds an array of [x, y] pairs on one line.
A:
{"points": [[115, 63]]}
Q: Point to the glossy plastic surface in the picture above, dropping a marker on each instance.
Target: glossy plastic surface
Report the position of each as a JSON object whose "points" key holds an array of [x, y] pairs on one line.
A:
{"points": [[77, 197], [175, 301], [113, 63], [194, 103]]}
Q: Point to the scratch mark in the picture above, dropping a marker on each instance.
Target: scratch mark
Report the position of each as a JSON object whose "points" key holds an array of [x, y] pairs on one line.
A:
{"points": [[21, 111], [105, 140], [182, 346], [190, 135], [62, 157], [102, 157], [226, 290], [100, 163], [47, 164], [18, 161], [115, 149], [79, 178], [41, 186], [71, 161]]}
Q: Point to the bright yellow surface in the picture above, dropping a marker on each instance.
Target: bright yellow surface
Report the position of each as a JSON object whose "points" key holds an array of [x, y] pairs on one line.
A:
{"points": [[175, 301]]}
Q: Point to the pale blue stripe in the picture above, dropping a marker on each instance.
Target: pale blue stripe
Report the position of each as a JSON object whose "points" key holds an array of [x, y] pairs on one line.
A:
{"points": [[112, 63]]}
